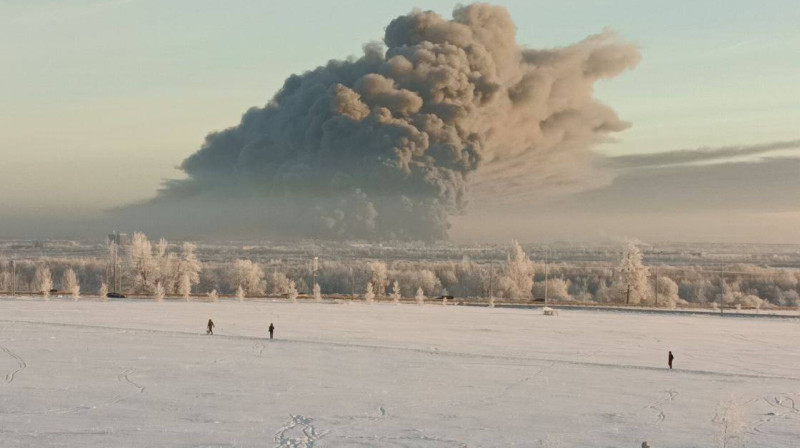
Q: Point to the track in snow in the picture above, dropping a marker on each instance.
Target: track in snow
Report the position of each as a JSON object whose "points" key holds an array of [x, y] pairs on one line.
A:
{"points": [[21, 364]]}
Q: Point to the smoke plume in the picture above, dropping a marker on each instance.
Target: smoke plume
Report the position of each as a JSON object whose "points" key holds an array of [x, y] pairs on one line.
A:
{"points": [[388, 145]]}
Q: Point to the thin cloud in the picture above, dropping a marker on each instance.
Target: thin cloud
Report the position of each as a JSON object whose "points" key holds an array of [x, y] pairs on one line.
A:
{"points": [[767, 185], [699, 155]]}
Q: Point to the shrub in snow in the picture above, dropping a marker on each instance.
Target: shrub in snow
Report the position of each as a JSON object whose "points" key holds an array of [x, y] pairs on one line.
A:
{"points": [[369, 294], [396, 292], [103, 292], [43, 281], [292, 294], [420, 297], [317, 293], [70, 284], [213, 296], [240, 293], [159, 292]]}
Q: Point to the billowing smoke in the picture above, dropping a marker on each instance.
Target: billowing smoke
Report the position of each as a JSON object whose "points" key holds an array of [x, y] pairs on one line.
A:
{"points": [[387, 145]]}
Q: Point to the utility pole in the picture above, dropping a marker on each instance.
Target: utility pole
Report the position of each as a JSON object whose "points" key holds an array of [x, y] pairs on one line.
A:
{"points": [[13, 278], [314, 267], [491, 280], [353, 282], [546, 256], [722, 295], [656, 286]]}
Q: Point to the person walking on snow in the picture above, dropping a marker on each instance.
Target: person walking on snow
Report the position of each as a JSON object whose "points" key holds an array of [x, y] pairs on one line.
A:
{"points": [[271, 330], [669, 359], [210, 329]]}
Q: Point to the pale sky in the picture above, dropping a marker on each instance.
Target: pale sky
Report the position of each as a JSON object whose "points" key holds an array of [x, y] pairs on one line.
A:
{"points": [[100, 100]]}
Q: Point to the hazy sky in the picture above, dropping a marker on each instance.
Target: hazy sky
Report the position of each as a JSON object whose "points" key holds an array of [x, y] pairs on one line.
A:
{"points": [[101, 99]]}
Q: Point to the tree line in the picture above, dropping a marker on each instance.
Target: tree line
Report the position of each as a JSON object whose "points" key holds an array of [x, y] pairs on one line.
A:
{"points": [[161, 269]]}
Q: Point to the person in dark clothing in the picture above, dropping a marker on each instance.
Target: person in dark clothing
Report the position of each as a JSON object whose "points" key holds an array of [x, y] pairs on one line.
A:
{"points": [[271, 330], [210, 329], [669, 359]]}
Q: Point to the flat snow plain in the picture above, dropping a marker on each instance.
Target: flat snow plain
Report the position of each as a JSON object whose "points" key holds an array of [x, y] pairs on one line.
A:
{"points": [[144, 374]]}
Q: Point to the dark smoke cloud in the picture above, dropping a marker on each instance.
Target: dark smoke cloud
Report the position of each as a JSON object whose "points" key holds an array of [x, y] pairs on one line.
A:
{"points": [[387, 145]]}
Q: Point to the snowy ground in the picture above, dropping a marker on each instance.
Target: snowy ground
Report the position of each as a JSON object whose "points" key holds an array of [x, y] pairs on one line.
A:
{"points": [[125, 374]]}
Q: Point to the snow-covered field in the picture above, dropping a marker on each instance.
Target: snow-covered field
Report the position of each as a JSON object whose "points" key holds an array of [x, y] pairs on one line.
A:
{"points": [[123, 374]]}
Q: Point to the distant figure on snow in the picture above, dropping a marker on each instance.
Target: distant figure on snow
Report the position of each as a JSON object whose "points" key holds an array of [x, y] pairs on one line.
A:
{"points": [[210, 329], [271, 330], [669, 360]]}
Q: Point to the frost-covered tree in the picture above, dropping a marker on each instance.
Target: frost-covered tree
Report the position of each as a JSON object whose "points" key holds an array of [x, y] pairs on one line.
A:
{"points": [[557, 289], [317, 293], [70, 284], [292, 292], [278, 283], [159, 292], [167, 264], [43, 281], [103, 292], [517, 279], [667, 292], [249, 277], [396, 292], [185, 287], [632, 283], [141, 264], [369, 294], [189, 269], [420, 297], [213, 296], [378, 272]]}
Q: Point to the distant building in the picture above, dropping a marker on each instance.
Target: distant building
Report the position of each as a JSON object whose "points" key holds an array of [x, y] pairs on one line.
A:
{"points": [[120, 239]]}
